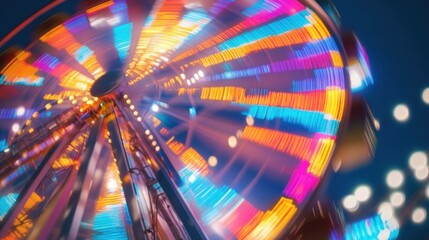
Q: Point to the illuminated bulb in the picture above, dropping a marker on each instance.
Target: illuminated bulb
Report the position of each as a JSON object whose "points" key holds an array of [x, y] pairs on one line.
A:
{"points": [[35, 115], [238, 133], [397, 199], [363, 193], [128, 101], [188, 82], [422, 173], [28, 122], [192, 178], [15, 127], [60, 101], [20, 111], [31, 130], [384, 234], [395, 178], [350, 203], [96, 99], [193, 80], [7, 150], [157, 148], [147, 132], [425, 95], [419, 215], [135, 113], [401, 113], [232, 141], [200, 73], [386, 211], [196, 76], [139, 119], [74, 102], [90, 102], [377, 124], [250, 121], [112, 185], [150, 137], [132, 107], [154, 143], [355, 79], [125, 96], [71, 98], [212, 161], [85, 99], [182, 75], [155, 107], [109, 140], [417, 160]]}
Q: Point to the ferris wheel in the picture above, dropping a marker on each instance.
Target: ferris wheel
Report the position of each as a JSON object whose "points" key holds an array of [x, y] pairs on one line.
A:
{"points": [[171, 119]]}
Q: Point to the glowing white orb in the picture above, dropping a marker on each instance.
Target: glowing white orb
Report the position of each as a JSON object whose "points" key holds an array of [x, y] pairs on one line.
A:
{"points": [[232, 142], [350, 203], [401, 113], [425, 95], [212, 161], [20, 111], [418, 215], [397, 199], [395, 178], [363, 193], [418, 160]]}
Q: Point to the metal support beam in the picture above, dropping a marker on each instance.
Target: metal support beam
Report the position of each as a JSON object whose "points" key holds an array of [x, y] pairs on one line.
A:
{"points": [[46, 222], [131, 197], [179, 205], [168, 179], [82, 185], [53, 154]]}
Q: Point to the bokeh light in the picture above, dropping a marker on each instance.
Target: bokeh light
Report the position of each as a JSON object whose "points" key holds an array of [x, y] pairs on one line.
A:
{"points": [[422, 173], [363, 193], [425, 95], [232, 141], [15, 127], [418, 160], [350, 203], [418, 215], [401, 113], [397, 199], [395, 178], [20, 111], [386, 211], [212, 161]]}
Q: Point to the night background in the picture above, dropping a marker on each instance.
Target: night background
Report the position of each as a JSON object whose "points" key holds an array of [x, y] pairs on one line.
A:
{"points": [[396, 36]]}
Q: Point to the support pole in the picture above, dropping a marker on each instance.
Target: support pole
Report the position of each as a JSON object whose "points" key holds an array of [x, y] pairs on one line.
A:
{"points": [[82, 186], [46, 222], [137, 219]]}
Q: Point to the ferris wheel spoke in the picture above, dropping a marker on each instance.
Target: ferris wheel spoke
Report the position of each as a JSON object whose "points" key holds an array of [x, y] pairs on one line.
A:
{"points": [[79, 197]]}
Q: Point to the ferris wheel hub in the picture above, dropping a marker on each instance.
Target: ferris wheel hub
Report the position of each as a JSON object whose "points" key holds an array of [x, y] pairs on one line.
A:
{"points": [[107, 83]]}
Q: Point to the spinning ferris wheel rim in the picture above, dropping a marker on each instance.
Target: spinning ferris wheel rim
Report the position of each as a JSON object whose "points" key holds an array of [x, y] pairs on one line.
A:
{"points": [[333, 29]]}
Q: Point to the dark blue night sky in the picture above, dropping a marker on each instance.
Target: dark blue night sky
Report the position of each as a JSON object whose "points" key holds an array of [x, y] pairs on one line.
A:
{"points": [[396, 37]]}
